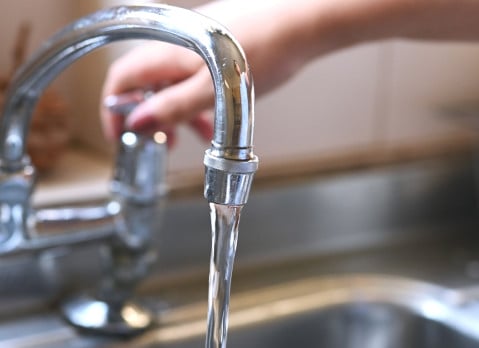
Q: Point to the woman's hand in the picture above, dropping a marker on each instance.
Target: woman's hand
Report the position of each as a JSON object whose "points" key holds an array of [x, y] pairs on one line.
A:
{"points": [[279, 37], [183, 83]]}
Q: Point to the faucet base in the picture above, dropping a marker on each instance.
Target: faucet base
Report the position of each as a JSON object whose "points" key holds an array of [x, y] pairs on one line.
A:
{"points": [[97, 316]]}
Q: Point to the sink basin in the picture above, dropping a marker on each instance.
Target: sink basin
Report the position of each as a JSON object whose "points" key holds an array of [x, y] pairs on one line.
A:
{"points": [[340, 274], [354, 311], [346, 312], [355, 325]]}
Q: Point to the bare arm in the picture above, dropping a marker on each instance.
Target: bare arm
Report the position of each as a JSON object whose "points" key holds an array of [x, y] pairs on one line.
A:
{"points": [[279, 37]]}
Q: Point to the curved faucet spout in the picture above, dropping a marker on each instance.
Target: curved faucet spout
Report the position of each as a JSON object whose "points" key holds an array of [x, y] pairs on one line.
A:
{"points": [[230, 162]]}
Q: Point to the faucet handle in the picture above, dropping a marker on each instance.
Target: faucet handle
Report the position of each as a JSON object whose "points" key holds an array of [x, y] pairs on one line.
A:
{"points": [[140, 171], [139, 183]]}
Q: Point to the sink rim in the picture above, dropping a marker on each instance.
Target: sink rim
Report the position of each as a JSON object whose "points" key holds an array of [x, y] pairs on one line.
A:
{"points": [[288, 299], [253, 307]]}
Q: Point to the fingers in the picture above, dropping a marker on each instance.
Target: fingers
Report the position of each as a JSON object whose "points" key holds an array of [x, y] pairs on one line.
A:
{"points": [[202, 125], [150, 66], [175, 104], [120, 106], [185, 92]]}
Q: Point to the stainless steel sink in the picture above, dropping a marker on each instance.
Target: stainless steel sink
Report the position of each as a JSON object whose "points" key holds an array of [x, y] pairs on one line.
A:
{"points": [[355, 325], [346, 312], [350, 311], [385, 258]]}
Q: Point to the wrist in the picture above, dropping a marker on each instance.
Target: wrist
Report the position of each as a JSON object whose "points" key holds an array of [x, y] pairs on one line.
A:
{"points": [[330, 25]]}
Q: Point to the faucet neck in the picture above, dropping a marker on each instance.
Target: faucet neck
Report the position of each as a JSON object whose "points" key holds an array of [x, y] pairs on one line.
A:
{"points": [[230, 162], [224, 57]]}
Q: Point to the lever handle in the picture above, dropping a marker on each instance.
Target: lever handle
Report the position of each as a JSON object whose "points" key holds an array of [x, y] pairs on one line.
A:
{"points": [[140, 171], [139, 181]]}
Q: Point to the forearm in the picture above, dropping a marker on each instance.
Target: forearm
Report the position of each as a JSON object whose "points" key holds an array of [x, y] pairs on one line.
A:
{"points": [[290, 33], [279, 38], [330, 24]]}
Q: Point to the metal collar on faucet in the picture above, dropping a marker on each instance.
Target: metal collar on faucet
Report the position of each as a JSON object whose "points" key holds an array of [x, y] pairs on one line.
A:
{"points": [[230, 162]]}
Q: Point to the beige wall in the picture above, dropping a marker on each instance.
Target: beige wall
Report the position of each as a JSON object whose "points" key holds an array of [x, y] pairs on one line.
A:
{"points": [[45, 16]]}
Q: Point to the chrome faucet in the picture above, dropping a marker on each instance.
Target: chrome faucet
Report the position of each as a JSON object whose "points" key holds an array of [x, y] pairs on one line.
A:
{"points": [[230, 162]]}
